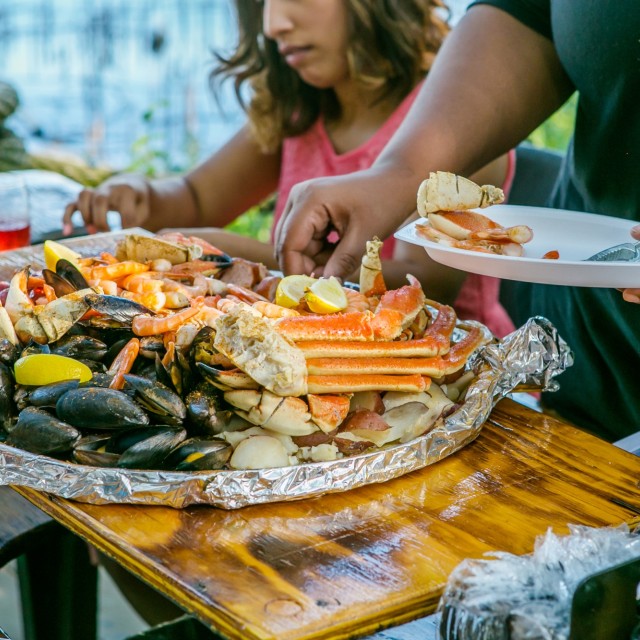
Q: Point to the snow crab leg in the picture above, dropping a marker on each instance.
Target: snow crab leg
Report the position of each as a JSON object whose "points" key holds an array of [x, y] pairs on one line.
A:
{"points": [[395, 312], [435, 367]]}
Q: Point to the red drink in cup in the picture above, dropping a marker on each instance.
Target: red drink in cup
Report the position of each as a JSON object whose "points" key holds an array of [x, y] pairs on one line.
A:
{"points": [[14, 212]]}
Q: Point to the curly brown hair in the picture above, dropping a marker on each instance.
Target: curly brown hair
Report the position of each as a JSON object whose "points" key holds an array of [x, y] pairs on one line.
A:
{"points": [[392, 44]]}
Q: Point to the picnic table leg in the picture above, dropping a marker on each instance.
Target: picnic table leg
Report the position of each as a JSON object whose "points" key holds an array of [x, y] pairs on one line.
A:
{"points": [[58, 588]]}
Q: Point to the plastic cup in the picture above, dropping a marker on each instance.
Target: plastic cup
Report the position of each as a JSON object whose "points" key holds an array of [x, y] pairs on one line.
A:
{"points": [[15, 227]]}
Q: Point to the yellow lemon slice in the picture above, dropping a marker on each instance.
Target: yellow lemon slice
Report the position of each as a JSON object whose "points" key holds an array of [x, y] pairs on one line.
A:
{"points": [[43, 368], [54, 251], [326, 295], [291, 290]]}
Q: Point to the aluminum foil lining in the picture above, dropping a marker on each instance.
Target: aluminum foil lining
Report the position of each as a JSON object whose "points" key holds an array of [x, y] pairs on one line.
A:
{"points": [[532, 356]]}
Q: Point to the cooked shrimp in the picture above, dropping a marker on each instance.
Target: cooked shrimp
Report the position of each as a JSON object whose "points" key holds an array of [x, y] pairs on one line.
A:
{"points": [[145, 325], [118, 270], [123, 363]]}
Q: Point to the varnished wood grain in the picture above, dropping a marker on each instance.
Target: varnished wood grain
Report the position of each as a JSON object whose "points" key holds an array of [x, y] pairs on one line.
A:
{"points": [[346, 565]]}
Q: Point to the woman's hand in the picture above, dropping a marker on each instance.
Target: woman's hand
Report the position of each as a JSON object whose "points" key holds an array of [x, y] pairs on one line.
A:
{"points": [[127, 194], [356, 207], [633, 295]]}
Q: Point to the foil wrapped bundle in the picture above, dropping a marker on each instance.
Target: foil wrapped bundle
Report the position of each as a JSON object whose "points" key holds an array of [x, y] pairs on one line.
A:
{"points": [[510, 597], [531, 357]]}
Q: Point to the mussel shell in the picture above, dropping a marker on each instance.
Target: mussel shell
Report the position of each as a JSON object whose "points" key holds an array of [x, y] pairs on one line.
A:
{"points": [[71, 274], [150, 345], [90, 450], [158, 399], [80, 346], [38, 431], [49, 394], [120, 309], [35, 347], [221, 260], [7, 388], [60, 285], [99, 379], [9, 352], [199, 454], [100, 408], [146, 447], [203, 409]]}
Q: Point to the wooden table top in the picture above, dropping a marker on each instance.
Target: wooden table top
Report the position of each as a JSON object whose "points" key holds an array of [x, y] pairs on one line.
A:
{"points": [[346, 565]]}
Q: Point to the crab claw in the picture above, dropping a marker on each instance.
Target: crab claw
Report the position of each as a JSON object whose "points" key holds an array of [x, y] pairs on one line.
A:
{"points": [[50, 322], [18, 303], [289, 416]]}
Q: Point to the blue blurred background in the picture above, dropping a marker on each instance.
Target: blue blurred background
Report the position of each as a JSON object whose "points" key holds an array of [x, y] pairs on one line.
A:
{"points": [[120, 83]]}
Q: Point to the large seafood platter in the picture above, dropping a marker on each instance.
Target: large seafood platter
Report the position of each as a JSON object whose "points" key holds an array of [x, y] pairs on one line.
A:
{"points": [[158, 370]]}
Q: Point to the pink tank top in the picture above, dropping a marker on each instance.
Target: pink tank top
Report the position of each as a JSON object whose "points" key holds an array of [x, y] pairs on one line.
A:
{"points": [[311, 155]]}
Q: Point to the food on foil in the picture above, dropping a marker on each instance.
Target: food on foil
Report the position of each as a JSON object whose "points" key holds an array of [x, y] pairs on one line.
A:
{"points": [[446, 201], [171, 355]]}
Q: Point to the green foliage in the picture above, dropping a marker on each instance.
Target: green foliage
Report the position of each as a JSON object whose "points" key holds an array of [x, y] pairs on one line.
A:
{"points": [[148, 156], [255, 223], [556, 131]]}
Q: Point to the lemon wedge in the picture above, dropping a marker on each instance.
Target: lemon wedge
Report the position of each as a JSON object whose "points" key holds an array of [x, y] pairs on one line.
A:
{"points": [[38, 369], [291, 290], [326, 295], [54, 251]]}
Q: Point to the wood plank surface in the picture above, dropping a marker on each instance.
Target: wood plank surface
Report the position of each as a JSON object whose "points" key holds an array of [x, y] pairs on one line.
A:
{"points": [[347, 565]]}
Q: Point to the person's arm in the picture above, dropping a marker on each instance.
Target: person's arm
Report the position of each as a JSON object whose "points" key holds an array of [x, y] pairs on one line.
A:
{"points": [[233, 179], [492, 83]]}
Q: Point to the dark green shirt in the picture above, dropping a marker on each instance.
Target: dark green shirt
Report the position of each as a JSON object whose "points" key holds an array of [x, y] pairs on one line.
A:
{"points": [[598, 43]]}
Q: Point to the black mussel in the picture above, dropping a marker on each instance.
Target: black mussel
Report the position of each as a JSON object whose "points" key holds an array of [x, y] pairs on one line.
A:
{"points": [[99, 380], [21, 397], [199, 454], [49, 394], [34, 347], [145, 447], [144, 368], [221, 260], [99, 408], [61, 286], [150, 346], [204, 410], [9, 352], [174, 370], [93, 365], [116, 308], [158, 399], [7, 389], [80, 346], [38, 431], [91, 450], [202, 349], [71, 274]]}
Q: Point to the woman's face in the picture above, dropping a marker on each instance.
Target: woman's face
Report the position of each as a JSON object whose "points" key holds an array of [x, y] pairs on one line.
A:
{"points": [[312, 38]]}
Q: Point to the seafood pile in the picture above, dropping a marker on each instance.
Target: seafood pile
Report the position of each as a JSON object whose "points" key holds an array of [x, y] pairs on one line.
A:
{"points": [[191, 365], [446, 201]]}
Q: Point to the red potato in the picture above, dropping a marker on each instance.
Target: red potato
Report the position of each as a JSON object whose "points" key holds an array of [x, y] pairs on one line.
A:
{"points": [[314, 439], [371, 400], [365, 420]]}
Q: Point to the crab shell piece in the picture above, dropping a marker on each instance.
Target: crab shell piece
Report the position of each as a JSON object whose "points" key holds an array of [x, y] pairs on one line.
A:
{"points": [[146, 248], [252, 344], [50, 322], [289, 416], [444, 191]]}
